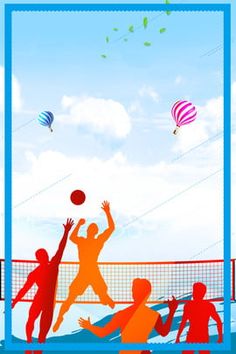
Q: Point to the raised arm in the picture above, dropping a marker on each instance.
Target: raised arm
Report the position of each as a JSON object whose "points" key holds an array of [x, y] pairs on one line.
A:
{"points": [[100, 331], [28, 284], [182, 324], [74, 235], [111, 225], [217, 318], [58, 255], [164, 328]]}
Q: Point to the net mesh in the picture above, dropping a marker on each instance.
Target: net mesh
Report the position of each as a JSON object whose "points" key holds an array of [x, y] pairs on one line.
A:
{"points": [[167, 279]]}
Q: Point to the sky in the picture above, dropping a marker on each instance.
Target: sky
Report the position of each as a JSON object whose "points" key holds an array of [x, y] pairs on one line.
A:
{"points": [[113, 129], [112, 132]]}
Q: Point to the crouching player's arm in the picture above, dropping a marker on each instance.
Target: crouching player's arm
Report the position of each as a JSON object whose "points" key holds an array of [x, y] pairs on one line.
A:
{"points": [[99, 331], [164, 328]]}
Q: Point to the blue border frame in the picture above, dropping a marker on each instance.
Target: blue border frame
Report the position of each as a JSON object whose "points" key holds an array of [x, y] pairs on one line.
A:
{"points": [[9, 8]]}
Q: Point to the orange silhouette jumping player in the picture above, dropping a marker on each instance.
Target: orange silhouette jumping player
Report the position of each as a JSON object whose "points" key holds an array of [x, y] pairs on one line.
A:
{"points": [[45, 277], [137, 321], [198, 313], [89, 249]]}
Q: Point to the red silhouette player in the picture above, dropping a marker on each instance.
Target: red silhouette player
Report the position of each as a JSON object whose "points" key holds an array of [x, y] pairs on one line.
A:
{"points": [[198, 313], [136, 321], [45, 277]]}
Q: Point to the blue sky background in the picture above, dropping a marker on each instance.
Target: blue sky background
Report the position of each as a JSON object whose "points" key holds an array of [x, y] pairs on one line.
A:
{"points": [[134, 161], [57, 59], [63, 58]]}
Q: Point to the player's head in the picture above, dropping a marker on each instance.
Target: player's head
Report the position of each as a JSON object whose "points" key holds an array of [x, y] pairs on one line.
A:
{"points": [[92, 230], [42, 256], [199, 291], [141, 289]]}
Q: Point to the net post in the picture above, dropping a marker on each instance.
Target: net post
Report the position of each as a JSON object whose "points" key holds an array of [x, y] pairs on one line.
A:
{"points": [[233, 280]]}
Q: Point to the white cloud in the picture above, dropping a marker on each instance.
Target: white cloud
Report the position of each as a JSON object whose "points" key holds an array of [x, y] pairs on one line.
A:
{"points": [[209, 122], [212, 111], [135, 107], [68, 101], [178, 80], [101, 116], [16, 92], [133, 190], [148, 91]]}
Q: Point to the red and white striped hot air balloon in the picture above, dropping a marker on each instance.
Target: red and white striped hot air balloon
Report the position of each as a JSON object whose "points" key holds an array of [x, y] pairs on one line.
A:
{"points": [[183, 112]]}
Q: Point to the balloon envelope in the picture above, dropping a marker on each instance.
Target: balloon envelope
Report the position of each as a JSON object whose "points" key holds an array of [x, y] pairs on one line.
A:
{"points": [[183, 112], [45, 118]]}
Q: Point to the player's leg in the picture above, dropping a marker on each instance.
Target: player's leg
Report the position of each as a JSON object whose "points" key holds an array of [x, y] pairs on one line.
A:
{"points": [[34, 313], [204, 352], [107, 300], [45, 322], [100, 288], [63, 309], [188, 352], [78, 286]]}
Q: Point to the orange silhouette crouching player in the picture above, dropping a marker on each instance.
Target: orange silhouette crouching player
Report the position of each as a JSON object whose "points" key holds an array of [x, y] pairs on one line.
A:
{"points": [[45, 277], [89, 273], [137, 321], [198, 313]]}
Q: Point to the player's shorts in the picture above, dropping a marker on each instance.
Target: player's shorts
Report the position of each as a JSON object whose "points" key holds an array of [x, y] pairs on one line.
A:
{"points": [[83, 280]]}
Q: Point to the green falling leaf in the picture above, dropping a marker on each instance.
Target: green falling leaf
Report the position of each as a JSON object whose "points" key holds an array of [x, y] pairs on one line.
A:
{"points": [[168, 12], [103, 56], [147, 44], [115, 29], [162, 30], [131, 28], [145, 22], [107, 39]]}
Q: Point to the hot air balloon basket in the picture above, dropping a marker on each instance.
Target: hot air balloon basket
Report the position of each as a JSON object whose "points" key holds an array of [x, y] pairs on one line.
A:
{"points": [[175, 132]]}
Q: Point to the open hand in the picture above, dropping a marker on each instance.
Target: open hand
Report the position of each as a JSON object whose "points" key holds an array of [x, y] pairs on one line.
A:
{"points": [[68, 225], [86, 324], [106, 206]]}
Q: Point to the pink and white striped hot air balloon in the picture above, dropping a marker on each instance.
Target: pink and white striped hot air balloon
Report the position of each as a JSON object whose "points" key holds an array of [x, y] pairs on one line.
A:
{"points": [[183, 112]]}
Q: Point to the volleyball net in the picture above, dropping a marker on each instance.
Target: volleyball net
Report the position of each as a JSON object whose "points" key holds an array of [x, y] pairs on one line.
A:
{"points": [[167, 279]]}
